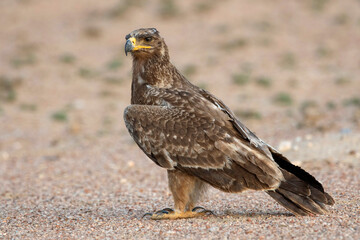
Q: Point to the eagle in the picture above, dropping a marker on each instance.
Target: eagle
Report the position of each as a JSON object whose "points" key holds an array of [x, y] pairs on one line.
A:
{"points": [[200, 142]]}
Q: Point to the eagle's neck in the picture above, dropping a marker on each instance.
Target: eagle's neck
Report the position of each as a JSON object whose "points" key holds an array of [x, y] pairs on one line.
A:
{"points": [[156, 71]]}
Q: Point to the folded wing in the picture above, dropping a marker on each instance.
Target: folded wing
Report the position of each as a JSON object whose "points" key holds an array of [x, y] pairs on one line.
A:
{"points": [[197, 143]]}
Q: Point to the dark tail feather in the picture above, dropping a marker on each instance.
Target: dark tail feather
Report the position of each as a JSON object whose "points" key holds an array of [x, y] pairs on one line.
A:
{"points": [[287, 203], [300, 193], [298, 203]]}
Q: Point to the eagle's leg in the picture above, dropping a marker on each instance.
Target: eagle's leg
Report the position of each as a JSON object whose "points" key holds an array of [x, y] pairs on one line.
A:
{"points": [[186, 190]]}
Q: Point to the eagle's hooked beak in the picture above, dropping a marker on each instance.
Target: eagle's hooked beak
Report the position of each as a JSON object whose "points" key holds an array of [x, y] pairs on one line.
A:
{"points": [[131, 46]]}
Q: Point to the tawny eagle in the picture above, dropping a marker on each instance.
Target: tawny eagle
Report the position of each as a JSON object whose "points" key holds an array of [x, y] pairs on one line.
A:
{"points": [[200, 142]]}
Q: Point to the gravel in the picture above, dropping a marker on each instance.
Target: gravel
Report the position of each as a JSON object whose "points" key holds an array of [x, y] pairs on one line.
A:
{"points": [[68, 168], [93, 191]]}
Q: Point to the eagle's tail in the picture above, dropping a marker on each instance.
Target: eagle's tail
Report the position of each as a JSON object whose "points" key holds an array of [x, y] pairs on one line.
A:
{"points": [[300, 193]]}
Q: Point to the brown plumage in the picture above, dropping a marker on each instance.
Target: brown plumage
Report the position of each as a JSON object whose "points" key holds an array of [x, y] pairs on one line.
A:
{"points": [[200, 142]]}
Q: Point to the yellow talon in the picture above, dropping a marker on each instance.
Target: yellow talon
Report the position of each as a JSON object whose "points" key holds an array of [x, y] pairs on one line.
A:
{"points": [[176, 215], [168, 213]]}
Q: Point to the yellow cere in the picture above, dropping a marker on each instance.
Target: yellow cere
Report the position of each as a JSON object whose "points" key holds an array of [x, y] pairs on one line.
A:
{"points": [[133, 41]]}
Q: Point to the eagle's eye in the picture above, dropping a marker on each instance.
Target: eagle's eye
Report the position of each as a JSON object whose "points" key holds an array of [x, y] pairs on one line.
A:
{"points": [[148, 39]]}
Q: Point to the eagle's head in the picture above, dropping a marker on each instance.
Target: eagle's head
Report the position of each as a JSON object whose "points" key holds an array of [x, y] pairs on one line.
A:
{"points": [[145, 43]]}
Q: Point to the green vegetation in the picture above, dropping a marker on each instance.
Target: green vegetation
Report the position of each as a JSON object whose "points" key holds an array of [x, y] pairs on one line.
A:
{"points": [[263, 81], [241, 79], [248, 114], [331, 105], [288, 60], [23, 59], [307, 104], [189, 70], [28, 107], [168, 9], [25, 56], [86, 72], [342, 80], [120, 8], [234, 44], [354, 101], [341, 19], [323, 51], [204, 6], [283, 99], [114, 64], [202, 85], [263, 26], [92, 32], [113, 80], [8, 88], [107, 93], [67, 58], [318, 5], [60, 116]]}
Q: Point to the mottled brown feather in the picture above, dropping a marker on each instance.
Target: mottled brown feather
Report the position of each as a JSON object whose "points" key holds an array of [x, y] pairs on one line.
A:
{"points": [[196, 137]]}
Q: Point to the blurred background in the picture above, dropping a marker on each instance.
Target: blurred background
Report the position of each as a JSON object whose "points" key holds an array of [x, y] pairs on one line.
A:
{"points": [[290, 70], [286, 68]]}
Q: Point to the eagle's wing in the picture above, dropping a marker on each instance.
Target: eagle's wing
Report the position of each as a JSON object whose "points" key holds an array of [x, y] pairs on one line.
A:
{"points": [[198, 143], [240, 127], [294, 175]]}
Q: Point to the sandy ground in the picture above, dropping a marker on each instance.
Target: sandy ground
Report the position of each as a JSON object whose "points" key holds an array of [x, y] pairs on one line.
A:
{"points": [[68, 168], [85, 190]]}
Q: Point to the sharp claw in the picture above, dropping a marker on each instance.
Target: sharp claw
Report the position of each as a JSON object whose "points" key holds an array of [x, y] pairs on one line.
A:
{"points": [[164, 211], [210, 212], [161, 212], [196, 208], [147, 214], [168, 210], [203, 210]]}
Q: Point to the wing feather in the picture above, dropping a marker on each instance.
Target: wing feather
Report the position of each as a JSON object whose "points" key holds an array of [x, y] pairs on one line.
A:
{"points": [[196, 142], [240, 127]]}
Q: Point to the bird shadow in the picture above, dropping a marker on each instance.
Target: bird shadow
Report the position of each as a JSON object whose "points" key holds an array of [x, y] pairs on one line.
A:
{"points": [[255, 214], [139, 214]]}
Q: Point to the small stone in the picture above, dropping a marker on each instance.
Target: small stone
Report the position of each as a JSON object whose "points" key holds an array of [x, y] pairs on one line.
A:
{"points": [[79, 104], [352, 152], [308, 136], [5, 155], [214, 229], [285, 146], [123, 180], [131, 164]]}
